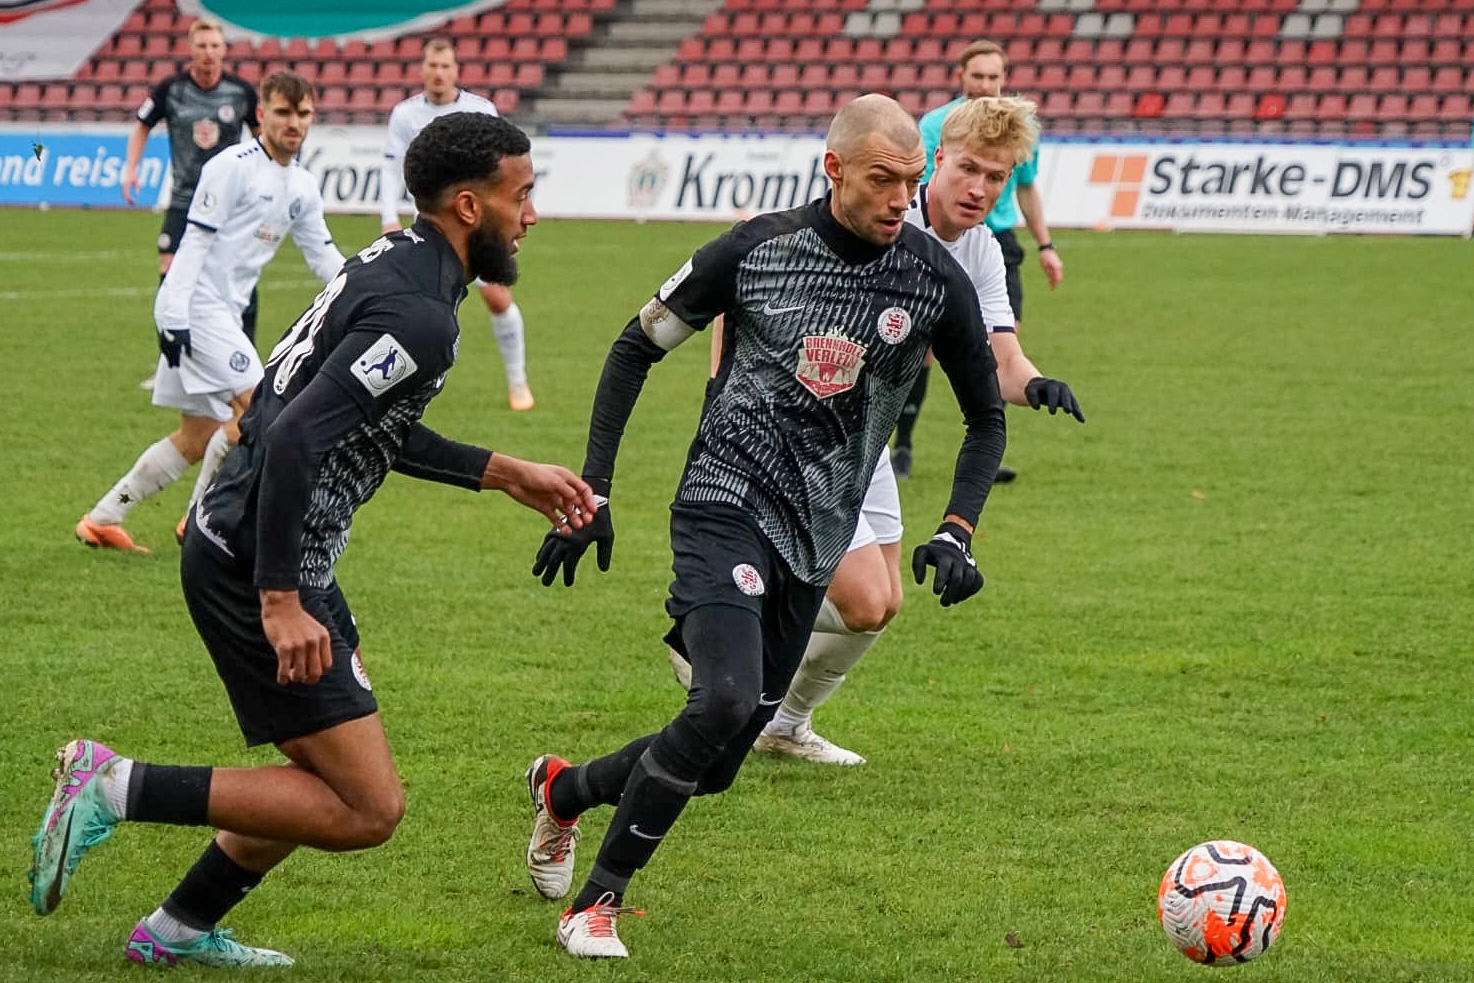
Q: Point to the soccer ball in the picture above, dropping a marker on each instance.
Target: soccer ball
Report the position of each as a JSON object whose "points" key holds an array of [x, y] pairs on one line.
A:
{"points": [[1221, 902]]}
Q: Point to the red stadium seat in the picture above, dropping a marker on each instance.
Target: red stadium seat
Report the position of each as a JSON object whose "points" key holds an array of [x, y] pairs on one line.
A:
{"points": [[1149, 105], [1271, 105], [506, 101]]}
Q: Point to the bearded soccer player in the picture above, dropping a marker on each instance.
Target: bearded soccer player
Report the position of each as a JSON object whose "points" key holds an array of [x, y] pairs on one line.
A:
{"points": [[440, 73], [248, 201], [339, 407], [829, 310]]}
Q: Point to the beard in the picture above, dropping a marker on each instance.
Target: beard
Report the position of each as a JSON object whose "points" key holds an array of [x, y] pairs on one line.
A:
{"points": [[489, 258]]}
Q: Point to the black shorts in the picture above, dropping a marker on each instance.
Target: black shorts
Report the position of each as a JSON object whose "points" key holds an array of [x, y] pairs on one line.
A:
{"points": [[175, 220], [722, 558], [1013, 258], [227, 613]]}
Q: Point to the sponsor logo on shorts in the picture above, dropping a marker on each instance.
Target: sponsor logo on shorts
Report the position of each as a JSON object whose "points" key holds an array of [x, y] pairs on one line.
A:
{"points": [[894, 325], [359, 674], [240, 361], [748, 580]]}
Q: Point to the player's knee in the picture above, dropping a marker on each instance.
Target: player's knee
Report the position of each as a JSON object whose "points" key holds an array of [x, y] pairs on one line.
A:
{"points": [[716, 781], [721, 711], [379, 818], [870, 611]]}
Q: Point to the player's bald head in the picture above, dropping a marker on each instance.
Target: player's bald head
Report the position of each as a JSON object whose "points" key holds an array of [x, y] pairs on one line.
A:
{"points": [[867, 115]]}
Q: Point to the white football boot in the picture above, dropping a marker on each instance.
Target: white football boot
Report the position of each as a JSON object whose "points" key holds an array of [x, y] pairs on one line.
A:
{"points": [[804, 743], [592, 933]]}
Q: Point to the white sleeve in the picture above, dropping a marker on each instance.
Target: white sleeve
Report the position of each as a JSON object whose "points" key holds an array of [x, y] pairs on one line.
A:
{"points": [[310, 233], [171, 306], [214, 201], [391, 176], [990, 280]]}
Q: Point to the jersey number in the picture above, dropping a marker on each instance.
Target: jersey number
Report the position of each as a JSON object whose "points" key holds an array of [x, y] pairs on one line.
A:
{"points": [[296, 345]]}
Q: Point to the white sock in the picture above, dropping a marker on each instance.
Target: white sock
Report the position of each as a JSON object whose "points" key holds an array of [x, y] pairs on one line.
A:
{"points": [[166, 928], [826, 660], [507, 326], [215, 451], [115, 786], [156, 469]]}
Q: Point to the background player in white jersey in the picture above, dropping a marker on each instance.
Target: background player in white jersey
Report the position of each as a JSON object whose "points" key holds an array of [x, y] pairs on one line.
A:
{"points": [[205, 110], [247, 201], [440, 73], [981, 142]]}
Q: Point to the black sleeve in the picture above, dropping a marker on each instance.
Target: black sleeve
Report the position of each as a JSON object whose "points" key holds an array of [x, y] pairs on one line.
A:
{"points": [[961, 346], [345, 392], [396, 342], [431, 457], [624, 375], [251, 104], [155, 107], [707, 284], [293, 448]]}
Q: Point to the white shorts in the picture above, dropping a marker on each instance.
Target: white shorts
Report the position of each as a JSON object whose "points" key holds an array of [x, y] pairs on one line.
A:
{"points": [[221, 363], [880, 514]]}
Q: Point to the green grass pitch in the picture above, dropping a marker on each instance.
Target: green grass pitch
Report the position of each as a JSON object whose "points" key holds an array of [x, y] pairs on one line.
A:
{"points": [[1238, 602]]}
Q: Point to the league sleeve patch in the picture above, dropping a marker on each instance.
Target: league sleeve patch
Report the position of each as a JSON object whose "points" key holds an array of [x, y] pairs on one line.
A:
{"points": [[385, 365], [676, 279]]}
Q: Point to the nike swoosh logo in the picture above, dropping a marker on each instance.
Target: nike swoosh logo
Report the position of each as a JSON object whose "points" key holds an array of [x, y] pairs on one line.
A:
{"points": [[644, 835], [763, 700], [770, 309]]}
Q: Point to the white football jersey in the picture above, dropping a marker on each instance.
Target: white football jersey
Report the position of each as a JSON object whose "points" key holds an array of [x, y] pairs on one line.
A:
{"points": [[405, 122], [978, 253], [245, 204]]}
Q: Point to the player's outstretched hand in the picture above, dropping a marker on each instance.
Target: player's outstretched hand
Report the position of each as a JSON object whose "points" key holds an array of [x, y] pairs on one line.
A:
{"points": [[559, 494], [957, 577], [1042, 392], [564, 546]]}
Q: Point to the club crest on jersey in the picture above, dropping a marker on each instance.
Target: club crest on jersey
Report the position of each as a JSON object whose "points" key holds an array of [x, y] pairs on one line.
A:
{"points": [[748, 580], [295, 209], [226, 114], [829, 364], [894, 324], [239, 362], [206, 134], [385, 365]]}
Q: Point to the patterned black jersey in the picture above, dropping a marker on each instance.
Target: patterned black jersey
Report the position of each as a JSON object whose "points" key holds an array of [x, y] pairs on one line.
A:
{"points": [[825, 334], [202, 122], [338, 408]]}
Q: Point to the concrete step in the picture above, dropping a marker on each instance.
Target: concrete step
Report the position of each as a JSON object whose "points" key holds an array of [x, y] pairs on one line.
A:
{"points": [[609, 58], [673, 9], [593, 85], [552, 110], [661, 31]]}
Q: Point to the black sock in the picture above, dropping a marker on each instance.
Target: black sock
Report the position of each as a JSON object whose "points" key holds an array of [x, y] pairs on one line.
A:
{"points": [[169, 794], [912, 409], [599, 782], [651, 803], [213, 886]]}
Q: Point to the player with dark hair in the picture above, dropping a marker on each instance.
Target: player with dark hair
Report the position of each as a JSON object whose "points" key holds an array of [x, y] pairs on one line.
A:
{"points": [[206, 108], [339, 407], [829, 310]]}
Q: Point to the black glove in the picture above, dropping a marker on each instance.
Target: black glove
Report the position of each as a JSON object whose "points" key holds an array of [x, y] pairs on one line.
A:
{"points": [[957, 576], [1053, 394], [565, 546]]}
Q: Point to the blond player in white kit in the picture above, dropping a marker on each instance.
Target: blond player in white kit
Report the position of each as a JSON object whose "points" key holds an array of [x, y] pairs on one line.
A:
{"points": [[247, 201], [440, 73]]}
